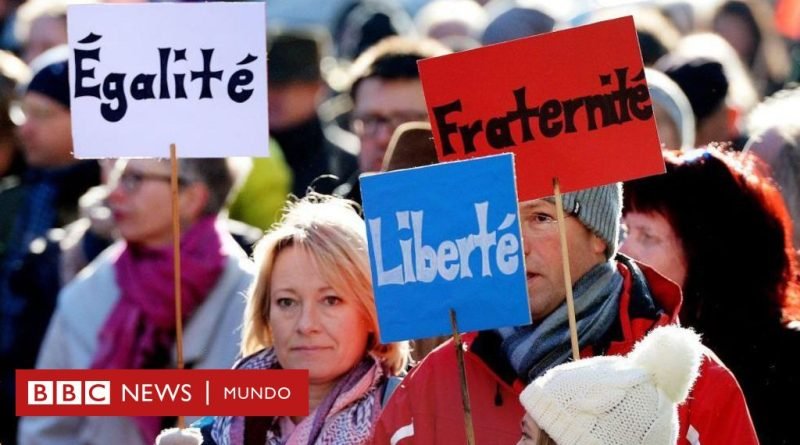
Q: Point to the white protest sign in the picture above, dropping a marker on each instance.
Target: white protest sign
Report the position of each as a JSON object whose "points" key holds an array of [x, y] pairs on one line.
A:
{"points": [[144, 76]]}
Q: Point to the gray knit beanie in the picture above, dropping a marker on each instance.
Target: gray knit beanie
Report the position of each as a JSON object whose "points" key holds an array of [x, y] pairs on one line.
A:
{"points": [[599, 209]]}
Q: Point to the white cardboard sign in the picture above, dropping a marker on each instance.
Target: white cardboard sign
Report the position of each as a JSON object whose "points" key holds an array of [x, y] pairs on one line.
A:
{"points": [[144, 76]]}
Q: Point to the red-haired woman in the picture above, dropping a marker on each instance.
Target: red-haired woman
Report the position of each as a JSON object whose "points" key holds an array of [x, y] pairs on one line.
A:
{"points": [[720, 229]]}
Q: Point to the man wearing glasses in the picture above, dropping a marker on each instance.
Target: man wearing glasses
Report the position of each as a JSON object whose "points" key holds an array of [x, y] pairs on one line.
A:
{"points": [[386, 92]]}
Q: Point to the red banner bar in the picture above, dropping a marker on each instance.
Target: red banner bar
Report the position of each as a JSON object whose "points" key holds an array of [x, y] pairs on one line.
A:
{"points": [[168, 392]]}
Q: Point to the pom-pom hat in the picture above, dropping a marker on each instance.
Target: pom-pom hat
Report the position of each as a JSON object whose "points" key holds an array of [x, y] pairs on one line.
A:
{"points": [[615, 400]]}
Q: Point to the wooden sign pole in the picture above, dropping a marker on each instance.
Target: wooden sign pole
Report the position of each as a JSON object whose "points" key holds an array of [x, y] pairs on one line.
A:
{"points": [[176, 250], [462, 374], [562, 230]]}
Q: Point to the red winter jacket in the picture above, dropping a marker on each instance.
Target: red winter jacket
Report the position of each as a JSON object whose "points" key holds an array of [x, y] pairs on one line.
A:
{"points": [[427, 409]]}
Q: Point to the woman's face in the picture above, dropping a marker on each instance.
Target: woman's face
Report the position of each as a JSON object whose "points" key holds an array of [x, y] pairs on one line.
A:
{"points": [[652, 241], [313, 327], [140, 200]]}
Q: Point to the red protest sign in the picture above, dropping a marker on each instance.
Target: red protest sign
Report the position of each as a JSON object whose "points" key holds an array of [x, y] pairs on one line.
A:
{"points": [[570, 104]]}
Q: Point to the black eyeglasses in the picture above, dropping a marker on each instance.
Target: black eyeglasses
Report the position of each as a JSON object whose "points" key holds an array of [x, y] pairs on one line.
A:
{"points": [[369, 124]]}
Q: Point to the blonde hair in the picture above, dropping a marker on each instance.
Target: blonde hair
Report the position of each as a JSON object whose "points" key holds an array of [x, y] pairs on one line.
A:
{"points": [[332, 232]]}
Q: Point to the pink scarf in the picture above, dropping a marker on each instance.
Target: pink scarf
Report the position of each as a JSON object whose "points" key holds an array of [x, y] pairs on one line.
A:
{"points": [[140, 331]]}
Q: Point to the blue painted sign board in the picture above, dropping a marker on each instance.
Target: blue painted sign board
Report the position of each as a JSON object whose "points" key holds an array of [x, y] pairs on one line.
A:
{"points": [[446, 236]]}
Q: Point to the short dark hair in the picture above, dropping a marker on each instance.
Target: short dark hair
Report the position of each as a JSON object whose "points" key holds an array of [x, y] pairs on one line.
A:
{"points": [[393, 58]]}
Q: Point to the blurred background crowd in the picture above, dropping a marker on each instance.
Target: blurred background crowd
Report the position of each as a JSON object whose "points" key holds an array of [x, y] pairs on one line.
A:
{"points": [[342, 77]]}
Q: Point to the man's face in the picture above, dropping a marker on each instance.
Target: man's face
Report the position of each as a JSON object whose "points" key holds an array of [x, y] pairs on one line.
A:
{"points": [[540, 238], [292, 103], [46, 134], [380, 106]]}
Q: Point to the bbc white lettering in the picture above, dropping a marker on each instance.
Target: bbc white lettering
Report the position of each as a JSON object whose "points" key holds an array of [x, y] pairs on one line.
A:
{"points": [[69, 392], [450, 259]]}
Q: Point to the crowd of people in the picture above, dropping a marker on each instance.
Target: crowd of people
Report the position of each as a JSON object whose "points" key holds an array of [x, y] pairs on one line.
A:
{"points": [[686, 284]]}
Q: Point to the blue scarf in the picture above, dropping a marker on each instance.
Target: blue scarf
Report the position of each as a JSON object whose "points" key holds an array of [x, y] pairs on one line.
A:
{"points": [[535, 348]]}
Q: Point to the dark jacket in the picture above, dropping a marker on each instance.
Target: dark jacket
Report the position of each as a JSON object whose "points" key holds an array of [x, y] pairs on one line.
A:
{"points": [[767, 365], [29, 278], [313, 149]]}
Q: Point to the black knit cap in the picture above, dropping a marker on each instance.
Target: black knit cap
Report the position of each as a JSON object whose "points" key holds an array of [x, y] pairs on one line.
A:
{"points": [[51, 75], [293, 56], [702, 80]]}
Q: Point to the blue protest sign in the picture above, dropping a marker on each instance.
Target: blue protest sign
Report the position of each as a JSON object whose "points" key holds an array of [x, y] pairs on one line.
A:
{"points": [[446, 236]]}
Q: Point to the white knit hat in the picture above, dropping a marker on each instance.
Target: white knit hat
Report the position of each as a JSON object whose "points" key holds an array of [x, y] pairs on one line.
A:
{"points": [[616, 400], [176, 436]]}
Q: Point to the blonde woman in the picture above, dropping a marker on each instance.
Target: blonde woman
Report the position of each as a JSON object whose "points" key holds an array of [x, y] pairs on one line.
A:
{"points": [[312, 307]]}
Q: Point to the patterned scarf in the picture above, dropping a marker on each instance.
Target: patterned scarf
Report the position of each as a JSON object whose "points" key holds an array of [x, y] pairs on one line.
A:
{"points": [[140, 331], [346, 415], [535, 348]]}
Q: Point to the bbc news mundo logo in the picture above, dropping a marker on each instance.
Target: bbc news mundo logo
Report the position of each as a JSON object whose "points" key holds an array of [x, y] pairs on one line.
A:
{"points": [[171, 392]]}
